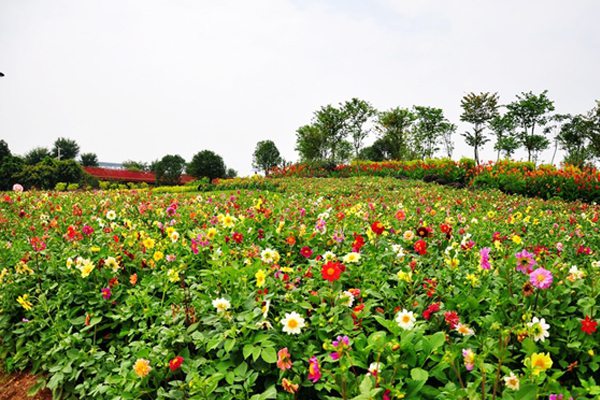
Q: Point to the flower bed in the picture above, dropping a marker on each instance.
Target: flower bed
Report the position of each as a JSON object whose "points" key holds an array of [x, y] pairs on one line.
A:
{"points": [[333, 289]]}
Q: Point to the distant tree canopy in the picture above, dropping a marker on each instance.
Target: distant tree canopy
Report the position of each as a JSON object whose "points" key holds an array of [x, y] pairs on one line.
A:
{"points": [[36, 155], [479, 110], [89, 160], [207, 164], [266, 156], [168, 169], [135, 165], [65, 149], [47, 173]]}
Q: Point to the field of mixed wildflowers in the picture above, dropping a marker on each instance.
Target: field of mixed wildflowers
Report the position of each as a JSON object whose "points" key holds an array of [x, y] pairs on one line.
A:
{"points": [[355, 288]]}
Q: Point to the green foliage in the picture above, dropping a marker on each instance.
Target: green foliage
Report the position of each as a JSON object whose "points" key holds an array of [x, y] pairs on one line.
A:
{"points": [[47, 173], [89, 160], [266, 156], [169, 169], [135, 165], [36, 155], [65, 149], [10, 171], [357, 115], [395, 127], [479, 110], [207, 164]]}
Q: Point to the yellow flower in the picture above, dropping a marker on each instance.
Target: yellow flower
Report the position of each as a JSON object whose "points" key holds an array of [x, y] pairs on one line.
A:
{"points": [[3, 274], [111, 263], [473, 279], [517, 239], [211, 233], [228, 221], [95, 249], [158, 255], [86, 268], [539, 362], [23, 268], [260, 278], [26, 304], [173, 275], [403, 276], [148, 243], [142, 367]]}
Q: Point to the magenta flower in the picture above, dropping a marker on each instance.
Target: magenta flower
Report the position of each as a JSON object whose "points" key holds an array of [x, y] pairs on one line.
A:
{"points": [[106, 293], [484, 262], [469, 359], [314, 373], [341, 343], [525, 261], [541, 278]]}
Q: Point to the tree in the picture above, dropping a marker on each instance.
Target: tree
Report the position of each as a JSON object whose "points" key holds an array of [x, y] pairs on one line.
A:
{"points": [[4, 150], [266, 156], [10, 169], [136, 165], [378, 151], [594, 133], [574, 138], [207, 164], [356, 114], [503, 127], [478, 109], [169, 169], [331, 122], [89, 160], [395, 127], [48, 172], [447, 132], [231, 173], [429, 126], [530, 112], [36, 155], [311, 143], [65, 149]]}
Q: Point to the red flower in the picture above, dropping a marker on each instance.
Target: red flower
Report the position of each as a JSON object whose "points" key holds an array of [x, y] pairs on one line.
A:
{"points": [[237, 237], [377, 227], [306, 251], [435, 307], [332, 271], [588, 325], [451, 318], [421, 247], [358, 243], [175, 363]]}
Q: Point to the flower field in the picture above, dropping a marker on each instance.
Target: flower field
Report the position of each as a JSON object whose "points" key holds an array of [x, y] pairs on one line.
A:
{"points": [[354, 288]]}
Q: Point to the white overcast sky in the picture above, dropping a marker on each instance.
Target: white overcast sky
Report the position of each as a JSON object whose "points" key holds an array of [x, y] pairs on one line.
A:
{"points": [[138, 79]]}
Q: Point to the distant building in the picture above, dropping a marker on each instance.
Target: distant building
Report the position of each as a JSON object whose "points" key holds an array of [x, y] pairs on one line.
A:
{"points": [[111, 165]]}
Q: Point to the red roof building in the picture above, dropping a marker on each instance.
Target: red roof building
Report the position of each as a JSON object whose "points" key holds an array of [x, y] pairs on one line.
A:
{"points": [[123, 175]]}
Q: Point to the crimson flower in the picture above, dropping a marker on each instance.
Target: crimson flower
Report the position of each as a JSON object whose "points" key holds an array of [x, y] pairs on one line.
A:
{"points": [[421, 247], [306, 251], [588, 325], [452, 319], [175, 363], [332, 270], [377, 227]]}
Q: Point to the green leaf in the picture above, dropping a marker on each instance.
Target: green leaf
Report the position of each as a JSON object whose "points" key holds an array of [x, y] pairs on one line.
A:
{"points": [[527, 391], [419, 374], [269, 355], [366, 385], [247, 350], [241, 369]]}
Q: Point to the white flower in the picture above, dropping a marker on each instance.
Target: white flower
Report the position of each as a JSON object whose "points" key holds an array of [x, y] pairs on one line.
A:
{"points": [[398, 250], [374, 369], [221, 304], [512, 381], [329, 256], [575, 274], [464, 329], [111, 263], [352, 257], [292, 323], [538, 329], [111, 215], [269, 256], [346, 298], [406, 319]]}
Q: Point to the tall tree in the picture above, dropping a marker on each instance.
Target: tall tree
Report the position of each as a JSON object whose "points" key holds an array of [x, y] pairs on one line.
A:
{"points": [[4, 150], [331, 122], [594, 134], [574, 138], [532, 111], [207, 164], [395, 127], [266, 156], [357, 113], [447, 133], [89, 160], [36, 155], [169, 169], [503, 127], [65, 149], [311, 143], [478, 109], [428, 130]]}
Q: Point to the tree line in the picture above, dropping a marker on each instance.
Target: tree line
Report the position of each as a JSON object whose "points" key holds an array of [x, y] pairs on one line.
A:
{"points": [[336, 134]]}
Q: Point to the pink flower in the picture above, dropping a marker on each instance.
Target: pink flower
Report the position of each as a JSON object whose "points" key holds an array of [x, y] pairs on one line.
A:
{"points": [[484, 262], [17, 188], [525, 261], [541, 278], [314, 373], [106, 293], [469, 359], [284, 359]]}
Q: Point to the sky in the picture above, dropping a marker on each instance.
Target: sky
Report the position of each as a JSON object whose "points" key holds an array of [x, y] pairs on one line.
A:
{"points": [[139, 79]]}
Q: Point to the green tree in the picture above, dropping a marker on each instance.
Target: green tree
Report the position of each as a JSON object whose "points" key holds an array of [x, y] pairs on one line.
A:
{"points": [[207, 163], [594, 133], [479, 110], [266, 156], [448, 130], [311, 143], [169, 169], [10, 170], [36, 155], [65, 149], [429, 127], [378, 151], [89, 160], [48, 172], [356, 115], [395, 128], [136, 165], [503, 127], [529, 112], [331, 122], [574, 138], [231, 173], [4, 150]]}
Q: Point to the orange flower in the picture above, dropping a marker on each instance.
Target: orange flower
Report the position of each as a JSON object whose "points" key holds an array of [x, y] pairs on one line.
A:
{"points": [[288, 386], [284, 359], [133, 279]]}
